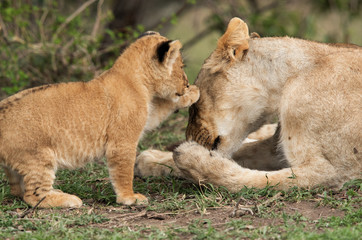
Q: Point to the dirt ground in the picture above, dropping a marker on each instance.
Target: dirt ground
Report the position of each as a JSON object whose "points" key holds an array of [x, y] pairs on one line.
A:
{"points": [[249, 216], [138, 216]]}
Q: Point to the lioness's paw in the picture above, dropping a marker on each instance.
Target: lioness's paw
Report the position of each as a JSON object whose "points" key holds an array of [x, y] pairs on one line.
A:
{"points": [[192, 159], [153, 163], [134, 199], [191, 95], [189, 150]]}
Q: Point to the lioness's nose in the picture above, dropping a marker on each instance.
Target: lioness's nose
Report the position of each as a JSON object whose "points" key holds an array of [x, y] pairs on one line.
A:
{"points": [[196, 131], [216, 143]]}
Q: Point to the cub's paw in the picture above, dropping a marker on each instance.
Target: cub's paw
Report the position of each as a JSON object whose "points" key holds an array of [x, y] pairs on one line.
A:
{"points": [[134, 199], [154, 163], [54, 198], [191, 95]]}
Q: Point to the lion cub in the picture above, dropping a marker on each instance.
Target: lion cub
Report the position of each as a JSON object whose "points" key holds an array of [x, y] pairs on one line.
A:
{"points": [[69, 124]]}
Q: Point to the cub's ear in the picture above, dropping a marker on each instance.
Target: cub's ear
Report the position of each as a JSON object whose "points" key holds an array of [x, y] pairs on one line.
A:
{"points": [[235, 39], [168, 52]]}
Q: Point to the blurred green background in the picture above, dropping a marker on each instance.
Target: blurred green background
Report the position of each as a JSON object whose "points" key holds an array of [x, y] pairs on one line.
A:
{"points": [[44, 41]]}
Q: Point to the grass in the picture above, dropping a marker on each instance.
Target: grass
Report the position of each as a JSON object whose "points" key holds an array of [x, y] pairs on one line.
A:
{"points": [[179, 209]]}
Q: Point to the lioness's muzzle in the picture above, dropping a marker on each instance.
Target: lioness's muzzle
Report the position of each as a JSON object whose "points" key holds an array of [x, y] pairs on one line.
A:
{"points": [[197, 132]]}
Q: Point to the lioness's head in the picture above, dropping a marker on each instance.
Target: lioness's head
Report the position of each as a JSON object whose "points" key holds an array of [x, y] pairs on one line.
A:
{"points": [[163, 62], [225, 112]]}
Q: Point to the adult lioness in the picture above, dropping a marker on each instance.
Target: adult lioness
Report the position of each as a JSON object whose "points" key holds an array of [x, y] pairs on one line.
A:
{"points": [[316, 91], [67, 125]]}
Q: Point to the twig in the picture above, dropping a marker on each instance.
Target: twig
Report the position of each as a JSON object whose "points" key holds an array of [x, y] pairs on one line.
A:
{"points": [[270, 200], [32, 219], [245, 200], [130, 216], [3, 27], [251, 208], [324, 197], [111, 48], [41, 24], [156, 216], [270, 6], [254, 5], [214, 6], [184, 7], [199, 36], [31, 209], [245, 208], [64, 51], [72, 16], [98, 18]]}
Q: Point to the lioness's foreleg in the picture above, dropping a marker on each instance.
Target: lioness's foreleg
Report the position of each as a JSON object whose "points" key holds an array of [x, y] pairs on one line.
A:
{"points": [[201, 165], [261, 155]]}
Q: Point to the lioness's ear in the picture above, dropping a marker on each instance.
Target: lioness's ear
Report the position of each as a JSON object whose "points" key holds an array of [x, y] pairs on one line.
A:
{"points": [[254, 35], [235, 39], [168, 52]]}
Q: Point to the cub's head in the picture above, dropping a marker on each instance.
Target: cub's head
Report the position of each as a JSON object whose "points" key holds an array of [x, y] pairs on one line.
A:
{"points": [[220, 118], [162, 64]]}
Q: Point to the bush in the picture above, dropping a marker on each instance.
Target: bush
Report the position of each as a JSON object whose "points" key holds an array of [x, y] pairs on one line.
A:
{"points": [[41, 45]]}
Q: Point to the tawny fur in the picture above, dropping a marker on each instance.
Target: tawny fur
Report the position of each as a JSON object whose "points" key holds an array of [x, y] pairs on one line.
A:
{"points": [[154, 162], [314, 89], [67, 125]]}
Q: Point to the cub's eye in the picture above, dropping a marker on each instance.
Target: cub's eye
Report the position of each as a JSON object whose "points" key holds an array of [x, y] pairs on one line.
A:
{"points": [[187, 85], [234, 52]]}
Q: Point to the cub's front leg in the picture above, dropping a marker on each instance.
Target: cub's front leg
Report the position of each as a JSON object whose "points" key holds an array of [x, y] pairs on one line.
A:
{"points": [[121, 149], [162, 108]]}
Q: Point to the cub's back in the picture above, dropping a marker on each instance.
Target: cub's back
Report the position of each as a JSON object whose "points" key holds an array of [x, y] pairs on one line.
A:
{"points": [[53, 116]]}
